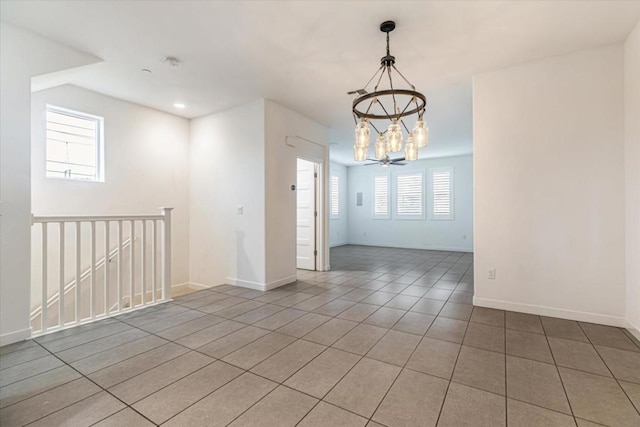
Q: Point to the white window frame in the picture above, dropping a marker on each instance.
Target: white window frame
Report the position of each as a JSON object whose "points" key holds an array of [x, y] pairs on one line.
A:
{"points": [[100, 175], [397, 216], [334, 215], [432, 216], [373, 196]]}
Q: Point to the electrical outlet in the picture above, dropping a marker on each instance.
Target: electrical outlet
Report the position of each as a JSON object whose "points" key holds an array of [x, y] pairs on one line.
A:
{"points": [[492, 273]]}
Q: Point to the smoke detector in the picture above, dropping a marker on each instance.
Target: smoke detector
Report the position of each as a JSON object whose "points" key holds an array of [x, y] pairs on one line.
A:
{"points": [[172, 61]]}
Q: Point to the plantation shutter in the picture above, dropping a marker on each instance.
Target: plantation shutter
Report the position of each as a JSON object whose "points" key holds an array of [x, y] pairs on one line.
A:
{"points": [[409, 194]]}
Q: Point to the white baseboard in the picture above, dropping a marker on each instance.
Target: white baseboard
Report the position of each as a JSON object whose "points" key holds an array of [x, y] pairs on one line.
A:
{"points": [[190, 285], [11, 337], [261, 286], [280, 282], [335, 245], [423, 247], [635, 330], [561, 313]]}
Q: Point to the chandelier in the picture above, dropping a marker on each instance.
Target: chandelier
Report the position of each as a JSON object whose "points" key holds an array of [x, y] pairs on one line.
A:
{"points": [[392, 104]]}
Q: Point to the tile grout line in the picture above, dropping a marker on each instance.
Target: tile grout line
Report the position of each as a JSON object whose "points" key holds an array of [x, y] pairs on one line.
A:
{"points": [[609, 369], [407, 361], [101, 389]]}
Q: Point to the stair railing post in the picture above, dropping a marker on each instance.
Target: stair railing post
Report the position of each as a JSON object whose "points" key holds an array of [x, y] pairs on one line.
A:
{"points": [[166, 254]]}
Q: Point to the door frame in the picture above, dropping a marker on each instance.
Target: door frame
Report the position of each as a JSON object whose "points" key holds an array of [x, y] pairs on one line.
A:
{"points": [[321, 226]]}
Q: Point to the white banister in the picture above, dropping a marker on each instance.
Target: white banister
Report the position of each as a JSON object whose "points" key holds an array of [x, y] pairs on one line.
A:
{"points": [[53, 307], [45, 269], [92, 292], [78, 276], [107, 250], [153, 261], [61, 318], [120, 264], [166, 253], [143, 260], [132, 256]]}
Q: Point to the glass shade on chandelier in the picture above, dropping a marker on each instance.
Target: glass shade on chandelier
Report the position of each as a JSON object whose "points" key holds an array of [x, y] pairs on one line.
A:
{"points": [[359, 153], [394, 137], [410, 149], [388, 105], [420, 133], [381, 147], [362, 134]]}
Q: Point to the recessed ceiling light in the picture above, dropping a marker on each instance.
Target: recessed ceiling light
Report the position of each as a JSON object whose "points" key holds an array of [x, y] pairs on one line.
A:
{"points": [[179, 105]]}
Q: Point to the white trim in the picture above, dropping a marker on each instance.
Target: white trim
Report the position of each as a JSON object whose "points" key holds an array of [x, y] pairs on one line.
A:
{"points": [[452, 197], [633, 329], [261, 286], [581, 316], [373, 195], [424, 247], [335, 245], [189, 285], [103, 317], [337, 178], [100, 151], [17, 336], [394, 198]]}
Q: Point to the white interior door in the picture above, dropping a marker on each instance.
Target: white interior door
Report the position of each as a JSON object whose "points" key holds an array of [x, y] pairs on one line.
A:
{"points": [[306, 215]]}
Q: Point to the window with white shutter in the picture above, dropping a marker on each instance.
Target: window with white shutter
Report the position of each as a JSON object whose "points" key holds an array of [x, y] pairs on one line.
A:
{"points": [[335, 196], [441, 198], [409, 195], [381, 196], [74, 145]]}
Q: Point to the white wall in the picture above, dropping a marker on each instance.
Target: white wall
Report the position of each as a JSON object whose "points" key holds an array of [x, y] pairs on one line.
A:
{"points": [[146, 166], [338, 226], [289, 135], [454, 235], [22, 55], [549, 187], [632, 169], [228, 171], [240, 157]]}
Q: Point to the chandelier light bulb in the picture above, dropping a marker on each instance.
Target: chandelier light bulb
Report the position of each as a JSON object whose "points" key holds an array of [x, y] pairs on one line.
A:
{"points": [[362, 134], [420, 133], [394, 137], [359, 153], [410, 150], [381, 147]]}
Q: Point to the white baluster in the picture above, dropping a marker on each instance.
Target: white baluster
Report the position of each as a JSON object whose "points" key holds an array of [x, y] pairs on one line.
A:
{"points": [[92, 291], [166, 254], [132, 240], [106, 267], [78, 276], [120, 265], [143, 259], [153, 259], [45, 298], [61, 284]]}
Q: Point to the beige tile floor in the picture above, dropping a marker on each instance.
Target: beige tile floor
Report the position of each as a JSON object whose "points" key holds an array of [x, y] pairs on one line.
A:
{"points": [[388, 338]]}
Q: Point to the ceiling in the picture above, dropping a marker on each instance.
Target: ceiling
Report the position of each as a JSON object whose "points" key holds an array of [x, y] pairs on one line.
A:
{"points": [[306, 55]]}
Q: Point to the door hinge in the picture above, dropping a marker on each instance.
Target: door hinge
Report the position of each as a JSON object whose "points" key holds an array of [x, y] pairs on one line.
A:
{"points": [[315, 214], [315, 253], [315, 174]]}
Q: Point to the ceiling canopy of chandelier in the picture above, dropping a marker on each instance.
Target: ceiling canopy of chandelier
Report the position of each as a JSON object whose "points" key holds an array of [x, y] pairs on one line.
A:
{"points": [[392, 104]]}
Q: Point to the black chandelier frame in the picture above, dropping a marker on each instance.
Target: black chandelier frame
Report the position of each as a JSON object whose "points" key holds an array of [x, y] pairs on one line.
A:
{"points": [[417, 101]]}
